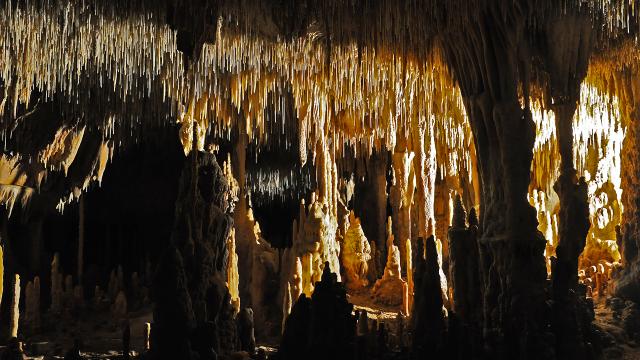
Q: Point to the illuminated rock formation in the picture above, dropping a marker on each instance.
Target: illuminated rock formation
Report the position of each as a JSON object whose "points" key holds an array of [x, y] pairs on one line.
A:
{"points": [[232, 271], [356, 253], [391, 289], [490, 99], [401, 197], [14, 315], [314, 245]]}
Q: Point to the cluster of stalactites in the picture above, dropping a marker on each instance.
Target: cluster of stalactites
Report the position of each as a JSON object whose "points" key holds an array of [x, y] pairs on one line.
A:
{"points": [[368, 96], [598, 135]]}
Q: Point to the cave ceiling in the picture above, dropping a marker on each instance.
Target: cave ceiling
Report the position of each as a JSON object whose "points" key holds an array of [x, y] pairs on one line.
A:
{"points": [[80, 80]]}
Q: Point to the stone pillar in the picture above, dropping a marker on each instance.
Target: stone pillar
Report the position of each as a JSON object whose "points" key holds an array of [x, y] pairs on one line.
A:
{"points": [[57, 280], [514, 271], [14, 319], [427, 316], [401, 195], [32, 305], [1, 274], [463, 265], [81, 227]]}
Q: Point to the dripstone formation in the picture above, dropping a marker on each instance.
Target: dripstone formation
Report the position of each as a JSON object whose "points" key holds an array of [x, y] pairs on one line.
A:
{"points": [[320, 179]]}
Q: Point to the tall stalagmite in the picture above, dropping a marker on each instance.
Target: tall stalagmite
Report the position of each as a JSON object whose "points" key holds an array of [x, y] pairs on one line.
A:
{"points": [[486, 57]]}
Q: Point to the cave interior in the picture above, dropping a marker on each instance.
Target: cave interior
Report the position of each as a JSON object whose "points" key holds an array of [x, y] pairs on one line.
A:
{"points": [[301, 179]]}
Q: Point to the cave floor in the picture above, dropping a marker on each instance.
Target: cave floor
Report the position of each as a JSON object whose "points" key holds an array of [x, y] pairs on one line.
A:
{"points": [[617, 344], [102, 336]]}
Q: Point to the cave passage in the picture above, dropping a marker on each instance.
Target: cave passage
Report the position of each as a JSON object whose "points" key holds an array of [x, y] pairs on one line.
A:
{"points": [[301, 179]]}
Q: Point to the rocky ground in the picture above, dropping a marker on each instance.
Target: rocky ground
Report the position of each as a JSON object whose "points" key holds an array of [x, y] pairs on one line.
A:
{"points": [[618, 322]]}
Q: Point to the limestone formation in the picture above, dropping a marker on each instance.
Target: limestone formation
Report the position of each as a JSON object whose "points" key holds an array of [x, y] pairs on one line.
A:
{"points": [[13, 351], [32, 306], [189, 289], [119, 308], [57, 290], [391, 289], [401, 197], [314, 245], [246, 330], [463, 264], [1, 273], [356, 253], [427, 316], [14, 319], [323, 326], [528, 109], [232, 271], [147, 337]]}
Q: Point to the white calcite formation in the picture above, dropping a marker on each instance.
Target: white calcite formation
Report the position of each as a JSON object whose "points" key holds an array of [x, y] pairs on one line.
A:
{"points": [[356, 253]]}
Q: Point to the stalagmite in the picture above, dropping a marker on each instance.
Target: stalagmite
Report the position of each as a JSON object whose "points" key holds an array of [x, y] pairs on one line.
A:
{"points": [[119, 308], [501, 101], [32, 305], [1, 273], [57, 290], [401, 196], [463, 264], [245, 331], [147, 337], [381, 202], [410, 285], [427, 316], [14, 319], [323, 326], [391, 289], [356, 253], [81, 235], [232, 271]]}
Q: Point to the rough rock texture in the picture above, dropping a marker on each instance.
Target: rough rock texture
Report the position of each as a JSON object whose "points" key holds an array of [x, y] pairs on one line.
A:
{"points": [[314, 245], [512, 261], [321, 327], [193, 312], [13, 351], [391, 289], [56, 285], [32, 317], [245, 330], [427, 316], [628, 286], [464, 268], [258, 262], [356, 253], [401, 197], [567, 67], [370, 201]]}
